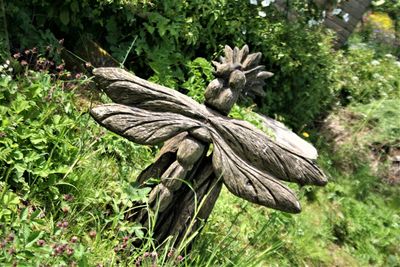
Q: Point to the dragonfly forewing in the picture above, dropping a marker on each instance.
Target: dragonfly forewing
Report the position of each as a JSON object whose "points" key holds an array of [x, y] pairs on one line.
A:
{"points": [[128, 89], [142, 126]]}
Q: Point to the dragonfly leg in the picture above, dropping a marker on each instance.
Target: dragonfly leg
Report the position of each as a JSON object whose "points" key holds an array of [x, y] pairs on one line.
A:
{"points": [[189, 152]]}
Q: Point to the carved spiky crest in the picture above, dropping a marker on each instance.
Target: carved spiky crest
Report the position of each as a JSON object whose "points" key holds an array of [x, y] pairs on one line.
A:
{"points": [[240, 59]]}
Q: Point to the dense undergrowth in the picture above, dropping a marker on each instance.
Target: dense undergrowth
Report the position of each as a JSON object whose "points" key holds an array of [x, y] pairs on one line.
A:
{"points": [[67, 186], [158, 39]]}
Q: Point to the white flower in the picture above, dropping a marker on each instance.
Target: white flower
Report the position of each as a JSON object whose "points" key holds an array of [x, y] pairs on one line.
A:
{"points": [[389, 56], [375, 62], [397, 63], [324, 14], [346, 17], [266, 2], [312, 22], [377, 76], [8, 62], [336, 11], [1, 68], [10, 69], [253, 2], [262, 13]]}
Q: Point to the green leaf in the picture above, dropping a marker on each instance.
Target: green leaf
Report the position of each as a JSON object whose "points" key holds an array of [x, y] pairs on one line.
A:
{"points": [[10, 199], [19, 169], [34, 214], [75, 6], [149, 28], [64, 16], [17, 155], [83, 262], [24, 214], [79, 251], [20, 104], [56, 119], [26, 231], [33, 237]]}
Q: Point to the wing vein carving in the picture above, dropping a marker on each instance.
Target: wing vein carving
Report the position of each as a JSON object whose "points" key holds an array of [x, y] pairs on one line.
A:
{"points": [[248, 182]]}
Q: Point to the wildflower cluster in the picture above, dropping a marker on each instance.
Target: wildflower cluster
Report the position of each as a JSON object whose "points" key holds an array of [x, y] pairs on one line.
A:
{"points": [[6, 70], [263, 3], [48, 60]]}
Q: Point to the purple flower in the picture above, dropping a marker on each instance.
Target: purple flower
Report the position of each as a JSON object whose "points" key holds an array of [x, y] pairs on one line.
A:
{"points": [[92, 234], [40, 242]]}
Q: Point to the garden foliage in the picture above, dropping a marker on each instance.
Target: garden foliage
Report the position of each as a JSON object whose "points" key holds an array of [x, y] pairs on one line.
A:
{"points": [[67, 186], [166, 35]]}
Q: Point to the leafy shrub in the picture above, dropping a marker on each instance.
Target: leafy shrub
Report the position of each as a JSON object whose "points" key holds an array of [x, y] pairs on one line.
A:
{"points": [[166, 35], [43, 132], [36, 122], [364, 77], [381, 32], [305, 67], [61, 175]]}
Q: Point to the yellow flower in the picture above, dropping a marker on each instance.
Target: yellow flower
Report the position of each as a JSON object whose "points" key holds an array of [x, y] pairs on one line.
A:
{"points": [[305, 134], [382, 20]]}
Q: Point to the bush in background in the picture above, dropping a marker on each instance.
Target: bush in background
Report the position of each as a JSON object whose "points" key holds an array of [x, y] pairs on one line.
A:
{"points": [[166, 36], [364, 77]]}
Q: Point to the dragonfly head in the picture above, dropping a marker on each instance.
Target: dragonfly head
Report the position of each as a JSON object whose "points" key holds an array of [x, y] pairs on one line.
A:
{"points": [[238, 73]]}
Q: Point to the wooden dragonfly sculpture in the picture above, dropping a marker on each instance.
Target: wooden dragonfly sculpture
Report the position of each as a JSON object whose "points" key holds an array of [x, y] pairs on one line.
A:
{"points": [[203, 147]]}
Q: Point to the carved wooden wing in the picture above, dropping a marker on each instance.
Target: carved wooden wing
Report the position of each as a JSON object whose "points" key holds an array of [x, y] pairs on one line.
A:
{"points": [[256, 148], [127, 89], [145, 113], [248, 182], [142, 126], [250, 164]]}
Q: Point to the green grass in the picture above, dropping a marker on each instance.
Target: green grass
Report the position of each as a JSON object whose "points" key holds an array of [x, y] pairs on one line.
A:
{"points": [[382, 116], [51, 149]]}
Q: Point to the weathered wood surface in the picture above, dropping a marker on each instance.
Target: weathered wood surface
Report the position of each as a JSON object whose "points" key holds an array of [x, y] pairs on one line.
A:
{"points": [[245, 159], [343, 29], [289, 140], [235, 142], [355, 10]]}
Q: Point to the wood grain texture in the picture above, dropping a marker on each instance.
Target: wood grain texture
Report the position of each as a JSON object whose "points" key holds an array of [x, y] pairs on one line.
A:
{"points": [[250, 183], [253, 162], [262, 152], [140, 125], [127, 89], [245, 159]]}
